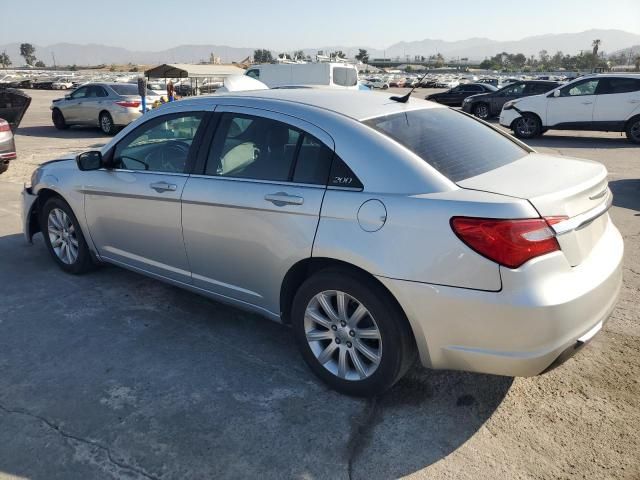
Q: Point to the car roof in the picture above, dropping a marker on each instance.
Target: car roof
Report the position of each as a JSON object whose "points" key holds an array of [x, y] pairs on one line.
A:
{"points": [[357, 104]]}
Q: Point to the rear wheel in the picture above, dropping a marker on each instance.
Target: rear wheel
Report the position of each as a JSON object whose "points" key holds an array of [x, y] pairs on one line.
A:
{"points": [[106, 124], [64, 238], [527, 126], [351, 333], [58, 119], [481, 110], [633, 130]]}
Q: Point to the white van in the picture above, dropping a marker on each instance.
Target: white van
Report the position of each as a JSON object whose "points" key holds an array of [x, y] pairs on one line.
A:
{"points": [[326, 74]]}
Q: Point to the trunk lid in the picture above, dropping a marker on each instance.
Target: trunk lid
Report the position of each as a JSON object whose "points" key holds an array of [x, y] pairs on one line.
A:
{"points": [[557, 186]]}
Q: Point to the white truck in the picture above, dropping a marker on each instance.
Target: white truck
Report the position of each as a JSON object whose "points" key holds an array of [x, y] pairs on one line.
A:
{"points": [[325, 74]]}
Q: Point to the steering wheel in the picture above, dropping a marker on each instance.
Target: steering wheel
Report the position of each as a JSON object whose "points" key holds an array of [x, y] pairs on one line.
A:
{"points": [[162, 158]]}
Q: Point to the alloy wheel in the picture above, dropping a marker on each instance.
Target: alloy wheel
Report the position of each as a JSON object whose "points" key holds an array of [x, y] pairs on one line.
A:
{"points": [[105, 123], [343, 335], [526, 126], [482, 111], [62, 236], [635, 131]]}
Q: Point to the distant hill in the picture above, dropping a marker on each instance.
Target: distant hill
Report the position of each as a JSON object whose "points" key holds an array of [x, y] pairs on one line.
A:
{"points": [[472, 48]]}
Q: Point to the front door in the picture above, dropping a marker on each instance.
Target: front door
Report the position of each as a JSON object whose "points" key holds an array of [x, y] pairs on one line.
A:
{"points": [[133, 211], [72, 107], [574, 107], [253, 211]]}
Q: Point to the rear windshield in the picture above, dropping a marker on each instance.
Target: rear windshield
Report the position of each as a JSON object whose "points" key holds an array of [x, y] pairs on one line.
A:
{"points": [[345, 76], [128, 89], [456, 145]]}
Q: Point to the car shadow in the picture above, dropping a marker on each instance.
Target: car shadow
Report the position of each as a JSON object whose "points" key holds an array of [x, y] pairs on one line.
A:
{"points": [[626, 193], [49, 131], [176, 385]]}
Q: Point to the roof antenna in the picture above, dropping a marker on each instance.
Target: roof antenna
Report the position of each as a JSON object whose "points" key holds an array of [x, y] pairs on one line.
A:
{"points": [[405, 98]]}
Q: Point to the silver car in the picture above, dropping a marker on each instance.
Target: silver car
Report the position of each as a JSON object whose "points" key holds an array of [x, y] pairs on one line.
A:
{"points": [[109, 106], [380, 231]]}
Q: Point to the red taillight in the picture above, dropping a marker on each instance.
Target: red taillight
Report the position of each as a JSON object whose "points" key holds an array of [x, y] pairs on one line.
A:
{"points": [[4, 126], [129, 103], [508, 242]]}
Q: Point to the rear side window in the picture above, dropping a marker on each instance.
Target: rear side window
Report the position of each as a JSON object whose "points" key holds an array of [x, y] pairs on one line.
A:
{"points": [[618, 85], [456, 145], [538, 88], [345, 77], [128, 89]]}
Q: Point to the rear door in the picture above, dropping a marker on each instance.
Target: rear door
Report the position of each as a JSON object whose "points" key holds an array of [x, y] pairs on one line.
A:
{"points": [[253, 211], [617, 99], [508, 93], [133, 210], [574, 107], [89, 109]]}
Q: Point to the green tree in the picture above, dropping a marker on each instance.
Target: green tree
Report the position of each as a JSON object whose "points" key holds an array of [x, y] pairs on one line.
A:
{"points": [[596, 46], [299, 55], [40, 64], [28, 51], [338, 54], [262, 56], [5, 61], [362, 56], [112, 68], [439, 60]]}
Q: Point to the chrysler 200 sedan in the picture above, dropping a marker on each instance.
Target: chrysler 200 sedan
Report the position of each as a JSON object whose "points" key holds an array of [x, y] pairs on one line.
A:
{"points": [[379, 230]]}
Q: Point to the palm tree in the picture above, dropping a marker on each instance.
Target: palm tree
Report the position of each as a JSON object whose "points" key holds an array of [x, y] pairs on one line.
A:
{"points": [[596, 46]]}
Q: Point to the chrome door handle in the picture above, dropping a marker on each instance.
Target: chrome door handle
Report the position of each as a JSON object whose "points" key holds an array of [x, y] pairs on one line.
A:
{"points": [[587, 103], [163, 187], [634, 101], [281, 199]]}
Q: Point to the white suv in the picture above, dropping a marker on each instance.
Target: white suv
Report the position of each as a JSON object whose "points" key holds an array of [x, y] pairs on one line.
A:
{"points": [[609, 102]]}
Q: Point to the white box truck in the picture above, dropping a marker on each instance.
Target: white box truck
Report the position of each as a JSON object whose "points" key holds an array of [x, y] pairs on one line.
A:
{"points": [[325, 74]]}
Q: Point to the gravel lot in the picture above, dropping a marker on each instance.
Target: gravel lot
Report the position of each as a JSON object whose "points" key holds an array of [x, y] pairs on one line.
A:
{"points": [[113, 375]]}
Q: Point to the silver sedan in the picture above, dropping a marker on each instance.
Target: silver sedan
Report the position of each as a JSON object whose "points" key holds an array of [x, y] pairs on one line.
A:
{"points": [[379, 230], [109, 106]]}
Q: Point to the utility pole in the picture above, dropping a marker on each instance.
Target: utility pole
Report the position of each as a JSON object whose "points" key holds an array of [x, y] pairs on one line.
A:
{"points": [[53, 55]]}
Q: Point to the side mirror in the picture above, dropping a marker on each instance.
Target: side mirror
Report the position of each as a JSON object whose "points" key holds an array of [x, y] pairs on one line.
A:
{"points": [[556, 93], [89, 160], [67, 96]]}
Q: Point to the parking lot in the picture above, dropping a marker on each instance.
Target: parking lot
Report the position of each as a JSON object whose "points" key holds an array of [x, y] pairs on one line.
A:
{"points": [[114, 375]]}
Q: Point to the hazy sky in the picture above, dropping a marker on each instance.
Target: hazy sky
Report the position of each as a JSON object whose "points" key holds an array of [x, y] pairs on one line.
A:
{"points": [[291, 24]]}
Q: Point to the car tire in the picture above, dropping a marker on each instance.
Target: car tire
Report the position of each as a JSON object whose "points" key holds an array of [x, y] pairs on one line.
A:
{"points": [[106, 124], [63, 237], [527, 126], [481, 110], [344, 351], [633, 130], [58, 119]]}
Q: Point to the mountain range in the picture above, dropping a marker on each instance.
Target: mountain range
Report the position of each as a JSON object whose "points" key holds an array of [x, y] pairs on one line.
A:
{"points": [[472, 48]]}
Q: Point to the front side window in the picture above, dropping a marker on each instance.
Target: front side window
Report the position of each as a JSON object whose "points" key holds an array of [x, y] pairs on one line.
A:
{"points": [[514, 90], [538, 88], [162, 145], [82, 92], [457, 146], [586, 87]]}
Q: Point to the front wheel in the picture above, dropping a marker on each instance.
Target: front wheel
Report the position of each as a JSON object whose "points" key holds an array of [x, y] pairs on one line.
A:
{"points": [[58, 120], [481, 111], [527, 126], [633, 130], [106, 124], [63, 237], [351, 333]]}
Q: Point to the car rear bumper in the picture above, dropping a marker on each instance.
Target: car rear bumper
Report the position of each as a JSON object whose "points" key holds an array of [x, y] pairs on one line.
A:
{"points": [[124, 116], [544, 309], [508, 116]]}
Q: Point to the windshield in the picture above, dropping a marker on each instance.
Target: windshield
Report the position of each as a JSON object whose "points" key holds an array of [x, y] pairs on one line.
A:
{"points": [[456, 145]]}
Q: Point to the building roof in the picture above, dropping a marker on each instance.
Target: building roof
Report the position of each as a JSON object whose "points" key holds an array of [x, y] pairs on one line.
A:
{"points": [[186, 70]]}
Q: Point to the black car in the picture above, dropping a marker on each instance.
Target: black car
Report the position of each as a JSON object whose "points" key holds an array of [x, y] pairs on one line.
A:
{"points": [[490, 104], [456, 95]]}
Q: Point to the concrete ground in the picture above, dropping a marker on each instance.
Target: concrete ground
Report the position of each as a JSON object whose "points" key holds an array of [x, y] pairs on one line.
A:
{"points": [[113, 375]]}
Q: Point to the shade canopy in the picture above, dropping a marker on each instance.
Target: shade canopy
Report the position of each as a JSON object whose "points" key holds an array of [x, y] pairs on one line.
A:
{"points": [[185, 70]]}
